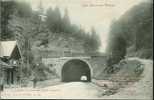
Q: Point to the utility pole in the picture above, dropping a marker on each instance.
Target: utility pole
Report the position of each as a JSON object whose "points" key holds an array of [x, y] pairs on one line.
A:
{"points": [[40, 7], [40, 10]]}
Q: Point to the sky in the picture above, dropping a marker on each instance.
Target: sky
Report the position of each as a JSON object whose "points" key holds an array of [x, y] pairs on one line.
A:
{"points": [[91, 13]]}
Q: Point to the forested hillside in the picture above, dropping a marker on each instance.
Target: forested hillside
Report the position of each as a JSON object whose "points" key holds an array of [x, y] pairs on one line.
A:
{"points": [[44, 26], [39, 29], [132, 34]]}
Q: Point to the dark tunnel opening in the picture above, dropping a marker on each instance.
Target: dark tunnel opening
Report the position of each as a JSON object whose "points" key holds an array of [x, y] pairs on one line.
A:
{"points": [[73, 70]]}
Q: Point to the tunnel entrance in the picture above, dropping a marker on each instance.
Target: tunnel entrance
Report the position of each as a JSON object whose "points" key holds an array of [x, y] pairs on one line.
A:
{"points": [[74, 70]]}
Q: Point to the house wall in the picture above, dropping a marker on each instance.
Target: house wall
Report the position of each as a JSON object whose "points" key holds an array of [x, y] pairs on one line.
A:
{"points": [[10, 54], [9, 75], [16, 64]]}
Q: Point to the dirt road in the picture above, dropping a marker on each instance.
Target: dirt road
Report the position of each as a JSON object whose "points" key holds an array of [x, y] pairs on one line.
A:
{"points": [[66, 90]]}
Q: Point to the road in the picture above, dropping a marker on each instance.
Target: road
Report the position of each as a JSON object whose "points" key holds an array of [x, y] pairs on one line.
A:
{"points": [[72, 90]]}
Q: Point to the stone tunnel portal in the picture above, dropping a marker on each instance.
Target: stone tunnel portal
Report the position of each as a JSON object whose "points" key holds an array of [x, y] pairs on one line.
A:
{"points": [[74, 69]]}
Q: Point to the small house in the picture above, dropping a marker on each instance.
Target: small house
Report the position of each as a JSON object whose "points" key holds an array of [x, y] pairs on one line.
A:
{"points": [[10, 58]]}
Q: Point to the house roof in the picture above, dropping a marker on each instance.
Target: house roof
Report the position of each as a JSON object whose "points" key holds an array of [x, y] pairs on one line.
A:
{"points": [[7, 47]]}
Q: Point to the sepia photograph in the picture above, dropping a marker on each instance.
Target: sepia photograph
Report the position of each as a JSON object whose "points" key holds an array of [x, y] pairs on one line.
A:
{"points": [[76, 49]]}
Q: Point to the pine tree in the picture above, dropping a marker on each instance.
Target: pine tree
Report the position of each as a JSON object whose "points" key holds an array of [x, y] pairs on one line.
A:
{"points": [[66, 23]]}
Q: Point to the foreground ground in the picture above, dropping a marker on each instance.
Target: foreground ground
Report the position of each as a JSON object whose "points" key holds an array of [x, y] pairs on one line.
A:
{"points": [[141, 89], [66, 90]]}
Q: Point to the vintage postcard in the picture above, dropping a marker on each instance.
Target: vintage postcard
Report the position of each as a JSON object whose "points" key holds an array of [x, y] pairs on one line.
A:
{"points": [[76, 49]]}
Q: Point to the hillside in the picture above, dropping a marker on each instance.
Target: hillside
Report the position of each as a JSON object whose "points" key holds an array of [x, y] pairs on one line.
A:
{"points": [[132, 34], [59, 43], [141, 88]]}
